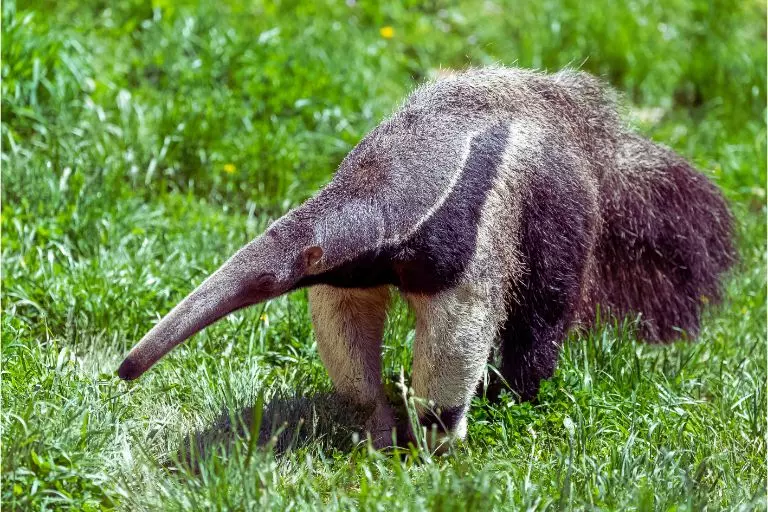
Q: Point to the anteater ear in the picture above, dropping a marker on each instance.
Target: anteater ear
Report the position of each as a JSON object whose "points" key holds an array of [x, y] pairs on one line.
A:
{"points": [[312, 255]]}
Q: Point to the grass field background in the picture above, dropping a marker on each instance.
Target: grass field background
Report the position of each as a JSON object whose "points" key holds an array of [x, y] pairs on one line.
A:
{"points": [[144, 142]]}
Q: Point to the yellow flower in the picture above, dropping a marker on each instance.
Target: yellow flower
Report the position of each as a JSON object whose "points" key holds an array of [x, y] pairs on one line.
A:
{"points": [[387, 32], [264, 317], [229, 168]]}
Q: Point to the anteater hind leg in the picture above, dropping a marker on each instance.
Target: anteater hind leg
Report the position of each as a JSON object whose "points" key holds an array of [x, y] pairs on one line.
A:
{"points": [[455, 330], [530, 350], [541, 314], [558, 229], [349, 324]]}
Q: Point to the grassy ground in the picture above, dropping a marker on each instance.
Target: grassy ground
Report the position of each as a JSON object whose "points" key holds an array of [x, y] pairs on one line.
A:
{"points": [[142, 143]]}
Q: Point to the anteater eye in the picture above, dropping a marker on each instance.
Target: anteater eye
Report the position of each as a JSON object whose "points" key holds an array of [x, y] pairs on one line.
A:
{"points": [[262, 283]]}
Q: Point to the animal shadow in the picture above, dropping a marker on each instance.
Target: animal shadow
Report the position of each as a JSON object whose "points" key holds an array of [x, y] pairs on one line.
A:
{"points": [[283, 424]]}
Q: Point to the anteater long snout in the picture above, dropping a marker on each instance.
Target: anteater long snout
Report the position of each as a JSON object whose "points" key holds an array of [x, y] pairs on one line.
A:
{"points": [[236, 284]]}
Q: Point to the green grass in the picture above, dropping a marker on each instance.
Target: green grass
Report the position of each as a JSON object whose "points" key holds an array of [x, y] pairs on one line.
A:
{"points": [[142, 143]]}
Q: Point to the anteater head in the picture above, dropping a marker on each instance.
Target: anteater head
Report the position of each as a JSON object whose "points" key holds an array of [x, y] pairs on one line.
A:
{"points": [[267, 267]]}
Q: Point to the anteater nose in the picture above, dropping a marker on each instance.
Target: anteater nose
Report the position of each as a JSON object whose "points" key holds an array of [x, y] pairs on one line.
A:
{"points": [[129, 370]]}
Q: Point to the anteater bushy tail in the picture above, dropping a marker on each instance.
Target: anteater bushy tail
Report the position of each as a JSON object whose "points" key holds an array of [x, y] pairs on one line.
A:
{"points": [[665, 241]]}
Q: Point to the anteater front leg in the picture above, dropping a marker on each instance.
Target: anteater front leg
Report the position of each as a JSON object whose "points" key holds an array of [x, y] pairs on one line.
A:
{"points": [[349, 324], [455, 330]]}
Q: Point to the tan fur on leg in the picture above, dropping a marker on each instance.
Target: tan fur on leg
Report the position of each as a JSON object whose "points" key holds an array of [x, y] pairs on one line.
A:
{"points": [[349, 324], [455, 330]]}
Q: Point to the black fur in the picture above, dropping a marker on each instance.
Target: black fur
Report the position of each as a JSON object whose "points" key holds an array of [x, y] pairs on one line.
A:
{"points": [[665, 241], [435, 258], [556, 232], [445, 419]]}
